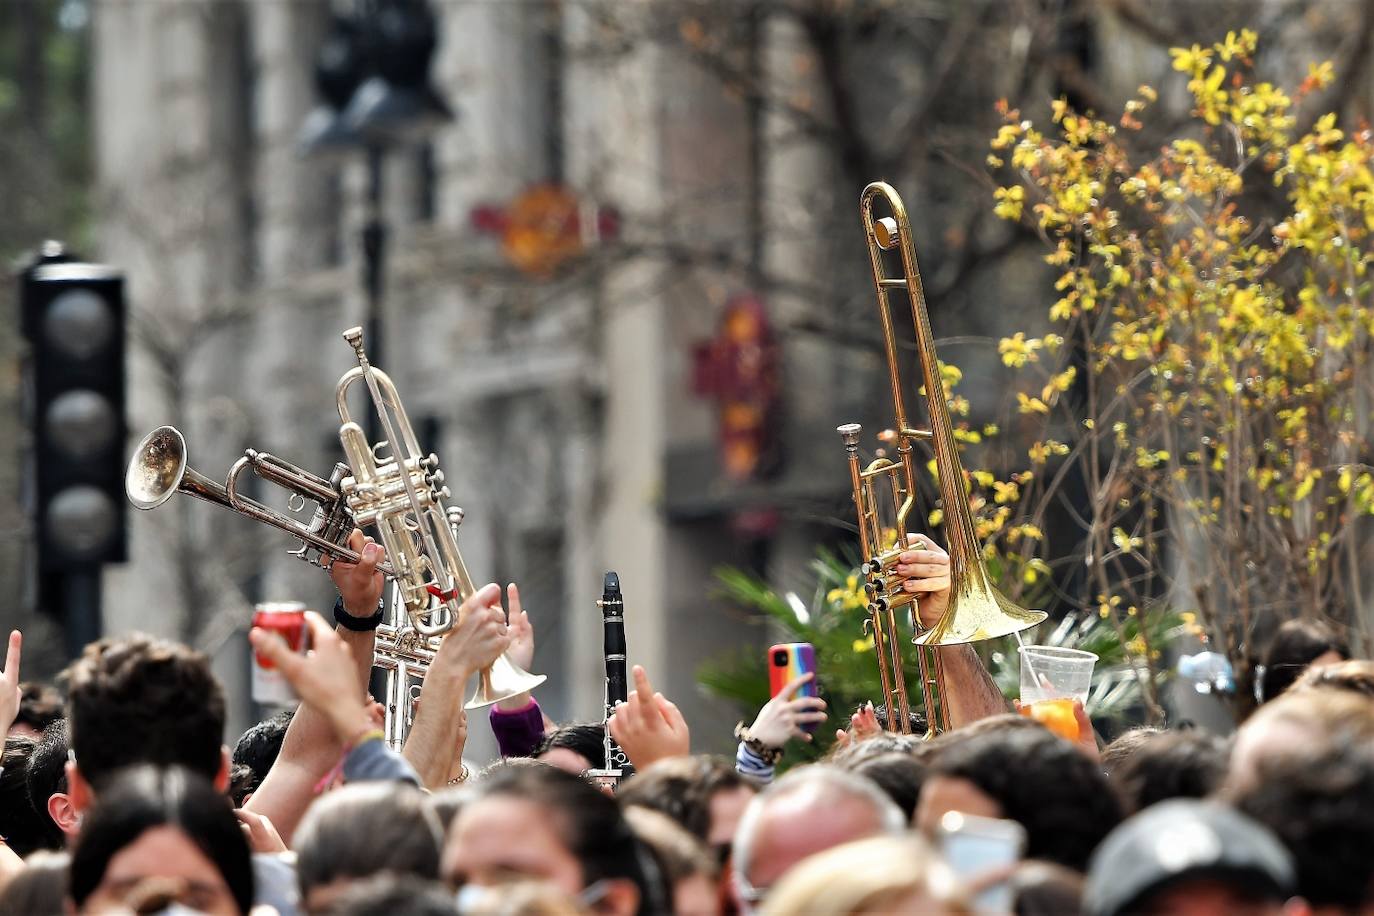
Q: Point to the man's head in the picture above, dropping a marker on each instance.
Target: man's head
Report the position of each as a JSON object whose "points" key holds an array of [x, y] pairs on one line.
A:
{"points": [[22, 828], [46, 779], [1188, 856], [1029, 776], [258, 747], [362, 830], [137, 699], [1320, 803], [809, 810], [1355, 675], [1299, 721], [1189, 764]]}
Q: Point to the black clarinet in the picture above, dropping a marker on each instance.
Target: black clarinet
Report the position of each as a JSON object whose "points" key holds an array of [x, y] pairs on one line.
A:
{"points": [[616, 765]]}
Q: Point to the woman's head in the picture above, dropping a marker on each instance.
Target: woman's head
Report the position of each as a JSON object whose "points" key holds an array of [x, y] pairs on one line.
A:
{"points": [[574, 748], [538, 822], [688, 868], [704, 794], [163, 832], [362, 830], [886, 874], [1296, 645]]}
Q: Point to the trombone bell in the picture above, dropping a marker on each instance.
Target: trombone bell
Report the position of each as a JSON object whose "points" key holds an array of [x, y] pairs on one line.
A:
{"points": [[503, 680]]}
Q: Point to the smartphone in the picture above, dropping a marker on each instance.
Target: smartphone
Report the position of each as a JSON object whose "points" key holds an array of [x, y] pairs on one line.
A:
{"points": [[786, 663], [977, 848]]}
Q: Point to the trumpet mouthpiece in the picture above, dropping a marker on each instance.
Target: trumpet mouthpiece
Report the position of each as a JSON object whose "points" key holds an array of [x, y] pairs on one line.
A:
{"points": [[354, 336], [849, 432]]}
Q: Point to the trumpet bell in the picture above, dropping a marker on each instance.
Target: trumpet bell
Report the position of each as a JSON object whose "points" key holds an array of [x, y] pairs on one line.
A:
{"points": [[156, 469], [503, 680]]}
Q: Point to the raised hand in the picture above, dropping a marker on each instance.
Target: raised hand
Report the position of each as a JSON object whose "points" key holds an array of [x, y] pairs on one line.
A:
{"points": [[9, 682], [649, 727], [863, 724], [521, 649], [325, 678], [360, 584], [926, 569], [479, 638], [782, 717]]}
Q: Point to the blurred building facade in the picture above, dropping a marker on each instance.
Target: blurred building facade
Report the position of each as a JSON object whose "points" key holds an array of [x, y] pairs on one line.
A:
{"points": [[561, 406]]}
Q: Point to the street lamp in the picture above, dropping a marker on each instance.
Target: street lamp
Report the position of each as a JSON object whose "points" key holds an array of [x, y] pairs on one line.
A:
{"points": [[372, 73]]}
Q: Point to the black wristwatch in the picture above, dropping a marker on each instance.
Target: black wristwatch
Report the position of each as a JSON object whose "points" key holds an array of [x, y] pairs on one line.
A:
{"points": [[357, 624]]}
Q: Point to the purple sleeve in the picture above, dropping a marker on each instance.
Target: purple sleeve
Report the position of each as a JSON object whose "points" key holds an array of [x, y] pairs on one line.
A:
{"points": [[518, 732]]}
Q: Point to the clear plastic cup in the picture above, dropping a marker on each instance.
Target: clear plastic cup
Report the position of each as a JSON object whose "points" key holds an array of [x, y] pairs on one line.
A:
{"points": [[1051, 679]]}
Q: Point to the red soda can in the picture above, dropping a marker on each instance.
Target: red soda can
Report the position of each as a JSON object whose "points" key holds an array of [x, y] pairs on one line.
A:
{"points": [[287, 620]]}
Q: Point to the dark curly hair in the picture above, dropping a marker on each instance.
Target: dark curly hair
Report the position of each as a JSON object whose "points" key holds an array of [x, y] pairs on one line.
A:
{"points": [[1320, 803], [257, 748], [138, 699], [1041, 781], [1185, 764], [45, 776], [582, 738], [681, 788]]}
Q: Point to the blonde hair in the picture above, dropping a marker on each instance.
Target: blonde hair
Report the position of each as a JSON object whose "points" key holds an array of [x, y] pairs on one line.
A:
{"points": [[867, 876]]}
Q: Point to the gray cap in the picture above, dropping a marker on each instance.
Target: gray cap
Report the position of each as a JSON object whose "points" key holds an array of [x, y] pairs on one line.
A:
{"points": [[1184, 839]]}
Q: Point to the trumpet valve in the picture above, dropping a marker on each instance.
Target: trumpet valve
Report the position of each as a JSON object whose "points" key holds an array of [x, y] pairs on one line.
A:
{"points": [[885, 232]]}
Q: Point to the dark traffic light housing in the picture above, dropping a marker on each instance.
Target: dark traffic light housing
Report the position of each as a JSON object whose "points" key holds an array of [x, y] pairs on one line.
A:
{"points": [[74, 319]]}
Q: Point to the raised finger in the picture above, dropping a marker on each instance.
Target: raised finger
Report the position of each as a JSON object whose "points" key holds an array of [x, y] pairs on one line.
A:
{"points": [[484, 597], [805, 717], [795, 684], [806, 704], [12, 656], [643, 688], [513, 600], [356, 540]]}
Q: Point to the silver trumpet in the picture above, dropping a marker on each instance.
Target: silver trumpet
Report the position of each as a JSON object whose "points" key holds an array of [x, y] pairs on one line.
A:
{"points": [[391, 486]]}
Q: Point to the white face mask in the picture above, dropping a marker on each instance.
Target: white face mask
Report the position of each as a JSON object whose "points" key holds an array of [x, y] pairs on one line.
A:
{"points": [[470, 896]]}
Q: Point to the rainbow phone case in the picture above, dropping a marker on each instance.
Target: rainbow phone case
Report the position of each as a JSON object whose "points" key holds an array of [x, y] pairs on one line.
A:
{"points": [[786, 663]]}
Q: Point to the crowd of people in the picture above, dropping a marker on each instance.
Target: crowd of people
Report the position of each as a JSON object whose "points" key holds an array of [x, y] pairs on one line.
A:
{"points": [[120, 797]]}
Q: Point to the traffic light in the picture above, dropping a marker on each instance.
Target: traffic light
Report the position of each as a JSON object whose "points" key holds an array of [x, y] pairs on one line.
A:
{"points": [[73, 317]]}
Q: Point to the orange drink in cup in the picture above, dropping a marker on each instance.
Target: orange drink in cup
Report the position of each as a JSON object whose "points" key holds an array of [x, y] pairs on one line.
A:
{"points": [[1051, 679], [1056, 715]]}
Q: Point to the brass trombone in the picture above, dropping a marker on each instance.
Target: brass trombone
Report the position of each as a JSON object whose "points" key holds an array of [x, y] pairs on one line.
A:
{"points": [[977, 610], [400, 493]]}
